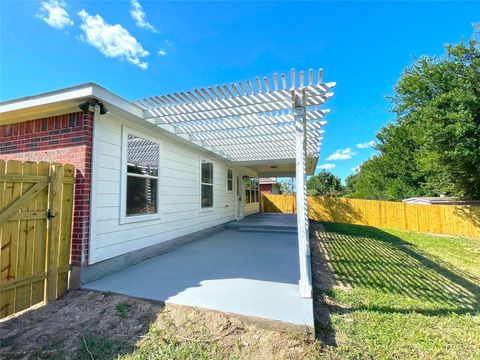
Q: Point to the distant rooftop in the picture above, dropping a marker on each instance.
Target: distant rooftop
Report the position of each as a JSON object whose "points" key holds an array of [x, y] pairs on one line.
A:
{"points": [[267, 181], [441, 200]]}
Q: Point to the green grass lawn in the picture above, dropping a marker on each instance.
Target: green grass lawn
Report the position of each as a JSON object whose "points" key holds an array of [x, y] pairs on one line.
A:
{"points": [[396, 294]]}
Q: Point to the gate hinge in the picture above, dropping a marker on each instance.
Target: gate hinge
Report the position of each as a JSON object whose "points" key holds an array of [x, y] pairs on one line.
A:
{"points": [[49, 214]]}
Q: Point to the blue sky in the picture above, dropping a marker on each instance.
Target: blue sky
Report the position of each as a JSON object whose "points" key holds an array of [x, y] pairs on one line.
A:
{"points": [[142, 48]]}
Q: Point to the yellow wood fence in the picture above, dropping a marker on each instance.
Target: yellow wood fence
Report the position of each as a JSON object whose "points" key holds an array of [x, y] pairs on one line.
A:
{"points": [[438, 219], [36, 201]]}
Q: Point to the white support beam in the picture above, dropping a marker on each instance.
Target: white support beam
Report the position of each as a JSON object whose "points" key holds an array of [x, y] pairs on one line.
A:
{"points": [[305, 282], [245, 121], [272, 138], [260, 130]]}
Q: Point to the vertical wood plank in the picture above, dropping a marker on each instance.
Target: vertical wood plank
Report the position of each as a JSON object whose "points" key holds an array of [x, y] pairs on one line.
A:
{"points": [[66, 202], [6, 306], [25, 241], [40, 241], [10, 239], [56, 178]]}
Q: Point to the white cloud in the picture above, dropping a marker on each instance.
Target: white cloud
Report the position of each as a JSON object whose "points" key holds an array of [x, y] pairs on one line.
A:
{"points": [[162, 52], [112, 40], [140, 17], [54, 14], [340, 154], [365, 145], [326, 166]]}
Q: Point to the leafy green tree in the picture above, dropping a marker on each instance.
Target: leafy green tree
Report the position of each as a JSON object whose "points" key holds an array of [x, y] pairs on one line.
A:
{"points": [[324, 184], [350, 185], [287, 186], [433, 146]]}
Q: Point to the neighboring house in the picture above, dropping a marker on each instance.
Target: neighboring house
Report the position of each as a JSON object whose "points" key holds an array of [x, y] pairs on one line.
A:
{"points": [[440, 200], [269, 186], [160, 169]]}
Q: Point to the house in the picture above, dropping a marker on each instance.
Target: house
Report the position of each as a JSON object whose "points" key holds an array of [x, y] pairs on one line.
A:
{"points": [[269, 186], [165, 170], [440, 200]]}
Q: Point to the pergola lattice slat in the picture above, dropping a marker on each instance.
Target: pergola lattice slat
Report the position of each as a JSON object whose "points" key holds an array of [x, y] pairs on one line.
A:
{"points": [[243, 121]]}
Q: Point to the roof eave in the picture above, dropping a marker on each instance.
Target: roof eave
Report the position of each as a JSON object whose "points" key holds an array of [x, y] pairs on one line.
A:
{"points": [[61, 101]]}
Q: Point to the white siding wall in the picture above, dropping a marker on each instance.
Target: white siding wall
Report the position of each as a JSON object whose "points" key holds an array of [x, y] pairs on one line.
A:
{"points": [[252, 208], [179, 187]]}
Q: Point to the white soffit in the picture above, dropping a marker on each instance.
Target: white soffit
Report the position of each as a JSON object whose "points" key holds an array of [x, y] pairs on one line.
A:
{"points": [[251, 121]]}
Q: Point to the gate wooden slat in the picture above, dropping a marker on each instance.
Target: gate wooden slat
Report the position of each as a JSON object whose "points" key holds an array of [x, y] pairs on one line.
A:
{"points": [[25, 243], [40, 252], [66, 202], [54, 203], [10, 240], [4, 250]]}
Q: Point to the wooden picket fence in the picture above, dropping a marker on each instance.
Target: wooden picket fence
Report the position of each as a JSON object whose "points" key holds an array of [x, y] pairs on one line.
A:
{"points": [[36, 204], [459, 220]]}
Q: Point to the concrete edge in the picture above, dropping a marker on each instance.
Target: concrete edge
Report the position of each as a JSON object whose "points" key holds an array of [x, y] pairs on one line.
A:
{"points": [[261, 323], [110, 266]]}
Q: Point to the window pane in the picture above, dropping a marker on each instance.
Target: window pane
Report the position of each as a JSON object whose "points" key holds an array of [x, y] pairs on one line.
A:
{"points": [[229, 180], [207, 196], [142, 156], [247, 196], [256, 196], [207, 172], [141, 196]]}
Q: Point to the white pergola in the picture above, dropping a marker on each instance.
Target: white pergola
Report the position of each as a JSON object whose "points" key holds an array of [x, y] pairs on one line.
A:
{"points": [[257, 122]]}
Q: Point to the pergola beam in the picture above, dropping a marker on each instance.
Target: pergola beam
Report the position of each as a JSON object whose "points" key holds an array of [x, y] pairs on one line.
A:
{"points": [[239, 122], [260, 130]]}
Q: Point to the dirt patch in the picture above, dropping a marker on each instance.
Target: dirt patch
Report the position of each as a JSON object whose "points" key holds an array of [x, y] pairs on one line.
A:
{"points": [[61, 329], [92, 325], [323, 282]]}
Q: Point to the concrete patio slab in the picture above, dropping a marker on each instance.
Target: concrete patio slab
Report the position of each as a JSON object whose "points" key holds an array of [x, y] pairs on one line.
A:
{"points": [[247, 273]]}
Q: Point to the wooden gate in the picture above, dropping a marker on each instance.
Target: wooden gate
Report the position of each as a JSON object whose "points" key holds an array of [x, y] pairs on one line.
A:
{"points": [[36, 201]]}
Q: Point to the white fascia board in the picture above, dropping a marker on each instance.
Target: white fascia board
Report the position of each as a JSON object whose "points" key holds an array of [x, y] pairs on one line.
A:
{"points": [[67, 95]]}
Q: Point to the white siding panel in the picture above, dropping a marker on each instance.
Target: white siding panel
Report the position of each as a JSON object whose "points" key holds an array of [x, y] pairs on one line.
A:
{"points": [[109, 162], [251, 209], [179, 189]]}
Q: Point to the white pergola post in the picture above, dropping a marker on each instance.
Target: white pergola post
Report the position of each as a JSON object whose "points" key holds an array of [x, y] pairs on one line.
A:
{"points": [[305, 282]]}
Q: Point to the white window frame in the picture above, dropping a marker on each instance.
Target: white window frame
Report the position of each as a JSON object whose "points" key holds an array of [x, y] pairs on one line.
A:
{"points": [[231, 171], [124, 219], [211, 208], [252, 191]]}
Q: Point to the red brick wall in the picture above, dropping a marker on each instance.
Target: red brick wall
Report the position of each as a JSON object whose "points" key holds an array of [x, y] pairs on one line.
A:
{"points": [[65, 139]]}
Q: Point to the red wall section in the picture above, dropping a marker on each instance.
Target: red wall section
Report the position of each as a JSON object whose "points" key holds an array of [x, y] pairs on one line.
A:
{"points": [[65, 139]]}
